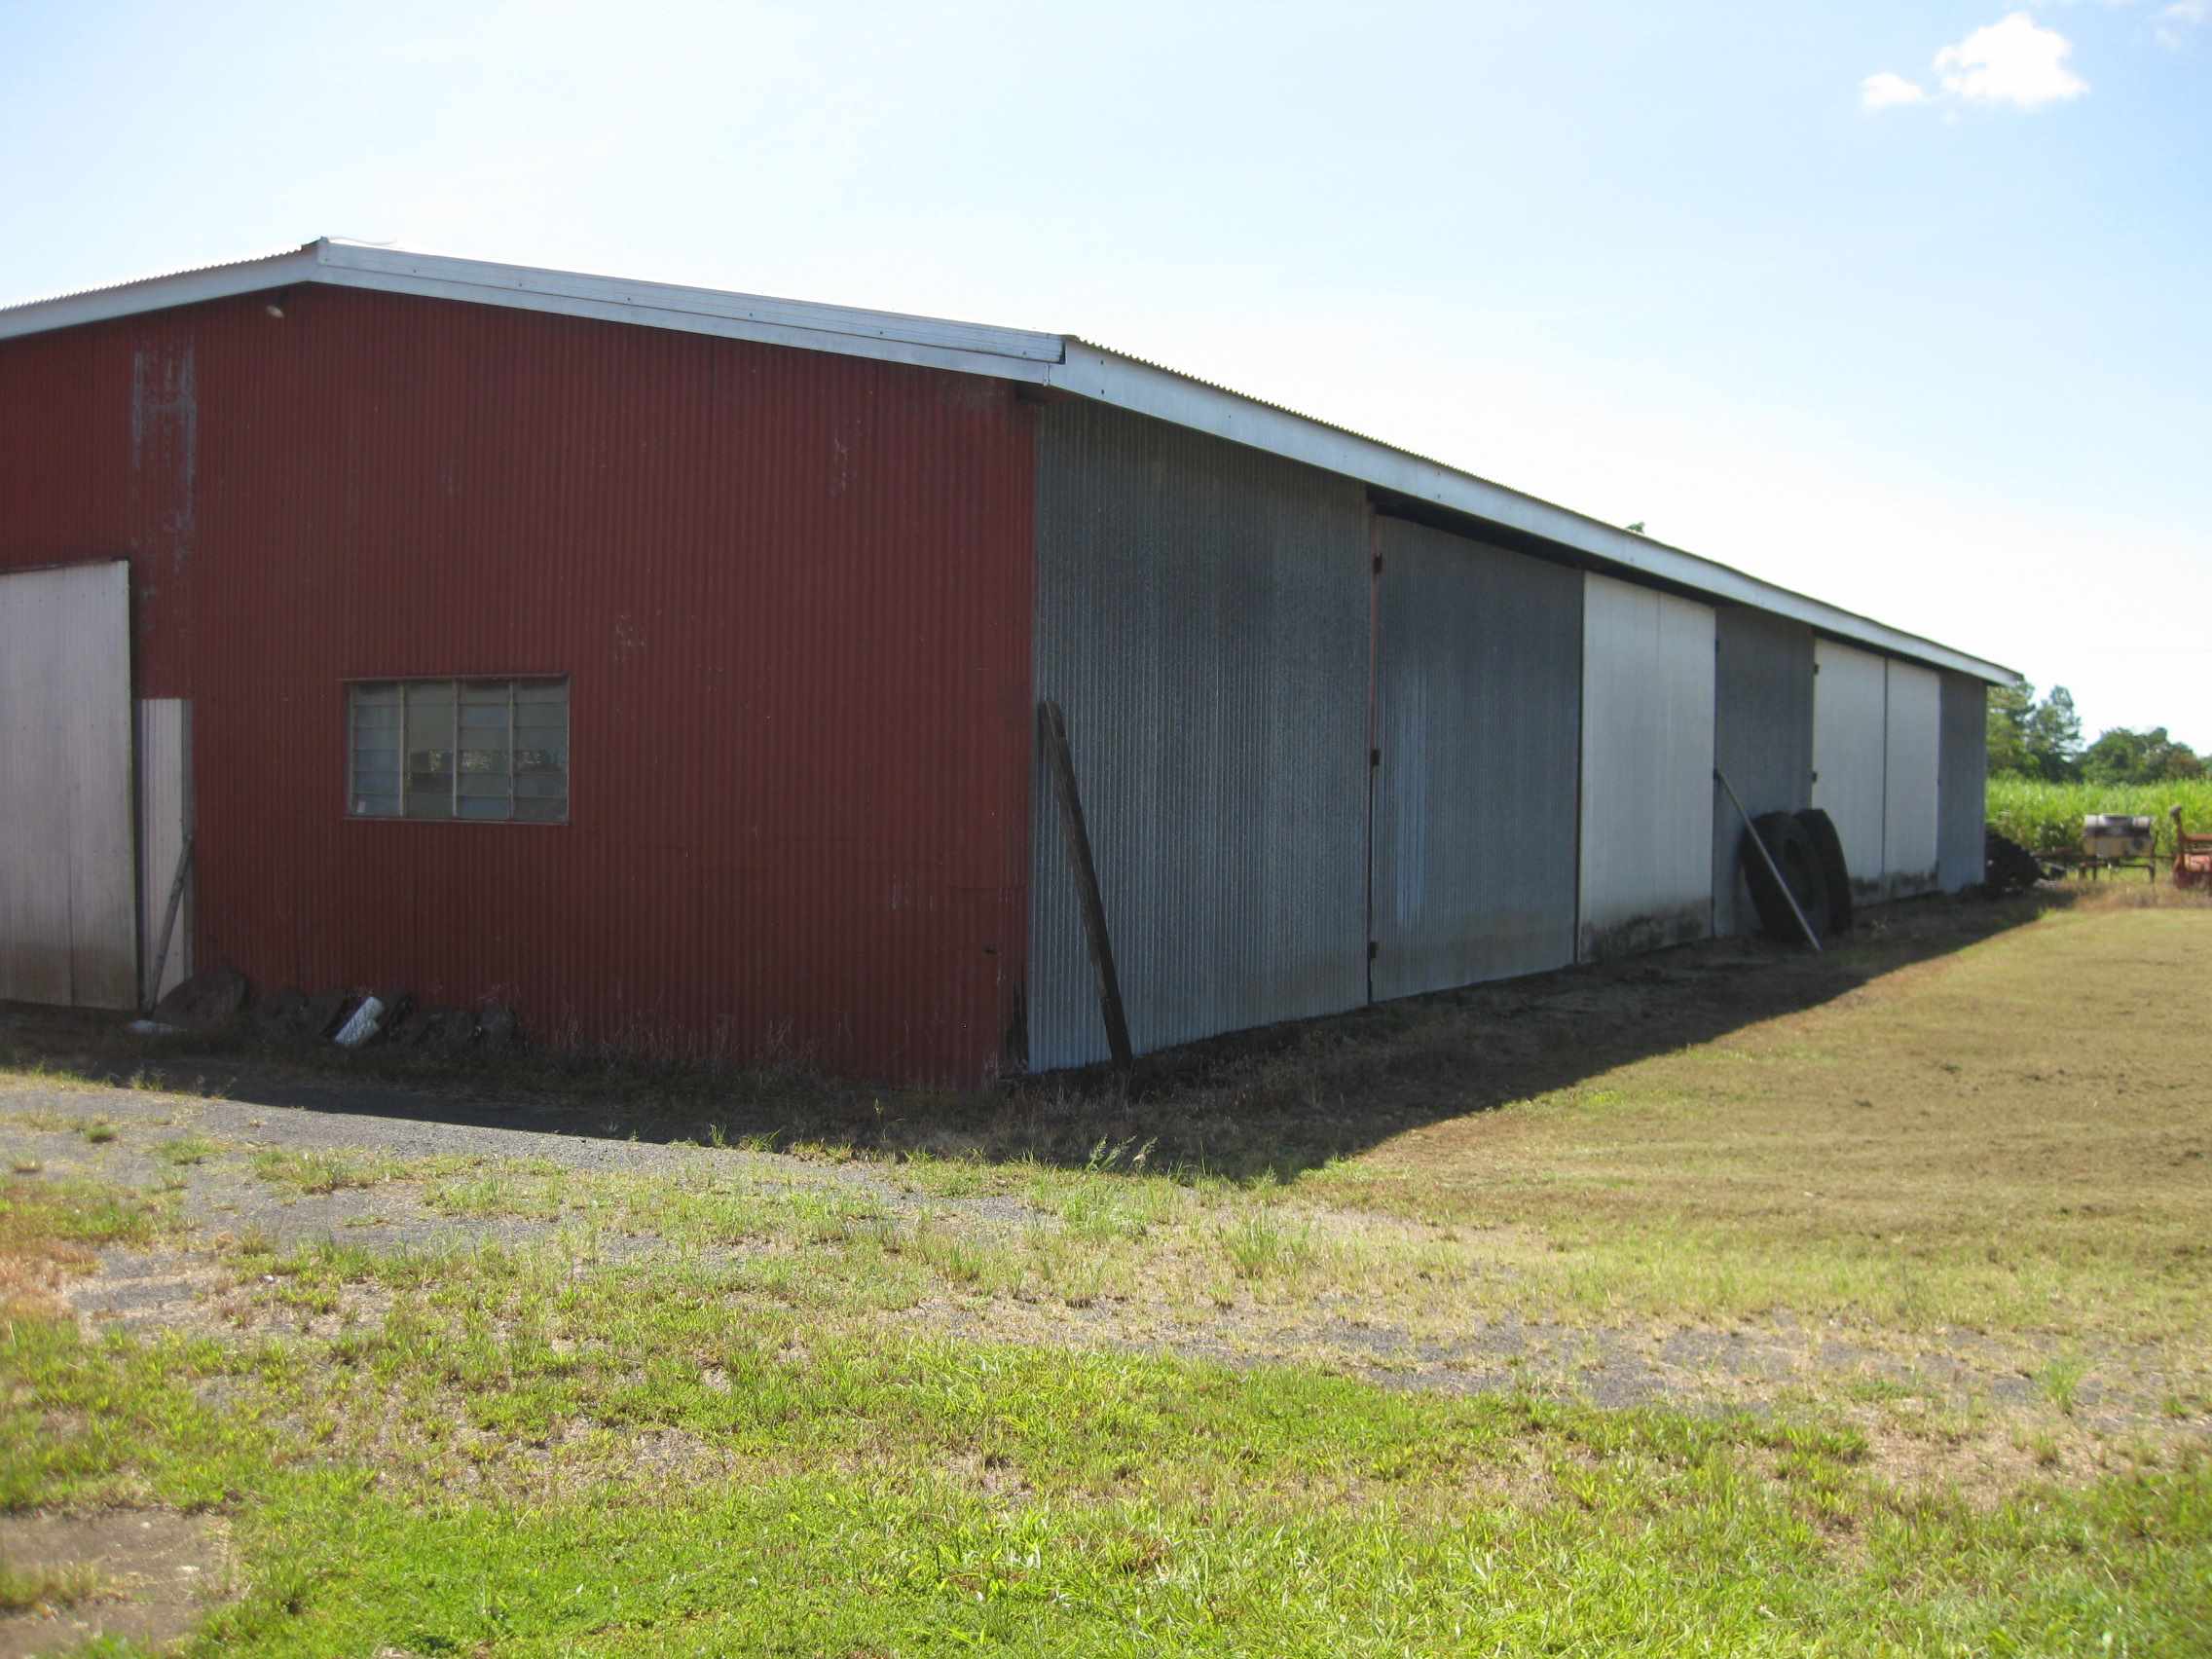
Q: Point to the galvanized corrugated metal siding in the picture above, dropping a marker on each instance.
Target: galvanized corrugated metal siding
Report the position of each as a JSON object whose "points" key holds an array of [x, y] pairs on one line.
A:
{"points": [[164, 816], [1962, 783], [1849, 748], [1912, 721], [1762, 740], [68, 888], [1202, 617], [791, 592], [1478, 697], [1647, 871]]}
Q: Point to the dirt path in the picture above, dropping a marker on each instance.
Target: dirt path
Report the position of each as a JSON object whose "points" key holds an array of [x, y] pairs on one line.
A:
{"points": [[123, 1576]]}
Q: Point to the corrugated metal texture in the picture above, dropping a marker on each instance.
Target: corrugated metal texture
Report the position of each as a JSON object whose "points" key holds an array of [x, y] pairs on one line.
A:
{"points": [[1648, 690], [1202, 617], [1479, 698], [1962, 786], [1762, 740], [790, 591], [164, 815], [1849, 748], [68, 890], [100, 458], [1141, 386], [1913, 723]]}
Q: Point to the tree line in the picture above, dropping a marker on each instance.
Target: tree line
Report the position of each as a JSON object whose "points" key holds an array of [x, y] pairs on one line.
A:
{"points": [[2034, 739]]}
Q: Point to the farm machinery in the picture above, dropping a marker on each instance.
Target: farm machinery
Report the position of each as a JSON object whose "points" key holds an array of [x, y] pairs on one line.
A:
{"points": [[2110, 841], [2117, 841], [2192, 855]]}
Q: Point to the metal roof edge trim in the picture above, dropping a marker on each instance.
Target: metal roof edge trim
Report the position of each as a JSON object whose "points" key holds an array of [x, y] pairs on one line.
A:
{"points": [[159, 293], [968, 348], [1145, 388], [879, 348], [1063, 361], [713, 304]]}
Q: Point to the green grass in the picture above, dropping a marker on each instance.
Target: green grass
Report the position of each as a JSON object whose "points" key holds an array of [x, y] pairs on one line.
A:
{"points": [[321, 1172], [927, 1399], [37, 1214], [2046, 817], [525, 1454], [802, 1565], [2010, 1141], [181, 1152], [2061, 1381], [28, 1589], [1261, 1246]]}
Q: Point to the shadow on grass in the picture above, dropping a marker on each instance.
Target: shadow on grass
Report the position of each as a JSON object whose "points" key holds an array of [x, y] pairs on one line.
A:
{"points": [[1272, 1102]]}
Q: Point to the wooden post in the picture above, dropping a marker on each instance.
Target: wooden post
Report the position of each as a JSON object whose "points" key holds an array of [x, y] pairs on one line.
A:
{"points": [[153, 994], [1052, 727], [1774, 869]]}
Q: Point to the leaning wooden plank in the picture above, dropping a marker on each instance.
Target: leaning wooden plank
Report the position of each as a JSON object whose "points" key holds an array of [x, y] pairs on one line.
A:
{"points": [[168, 919], [1774, 869], [1077, 838]]}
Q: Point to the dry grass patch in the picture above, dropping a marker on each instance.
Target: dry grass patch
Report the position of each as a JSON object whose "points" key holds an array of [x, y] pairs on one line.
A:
{"points": [[2014, 1139], [50, 1231]]}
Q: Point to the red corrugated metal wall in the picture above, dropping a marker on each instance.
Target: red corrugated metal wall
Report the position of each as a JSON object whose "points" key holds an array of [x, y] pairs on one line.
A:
{"points": [[792, 592]]}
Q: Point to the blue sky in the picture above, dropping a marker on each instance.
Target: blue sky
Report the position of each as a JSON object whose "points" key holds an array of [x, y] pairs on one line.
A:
{"points": [[1906, 305]]}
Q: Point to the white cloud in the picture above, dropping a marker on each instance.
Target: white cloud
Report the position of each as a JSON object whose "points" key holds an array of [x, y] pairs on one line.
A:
{"points": [[2014, 62], [1887, 90], [2175, 21]]}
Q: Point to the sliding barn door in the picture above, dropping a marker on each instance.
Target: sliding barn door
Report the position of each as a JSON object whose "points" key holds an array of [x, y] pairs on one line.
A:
{"points": [[68, 881], [1646, 769], [1478, 698]]}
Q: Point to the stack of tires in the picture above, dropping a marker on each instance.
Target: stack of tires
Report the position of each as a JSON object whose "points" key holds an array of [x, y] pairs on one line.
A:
{"points": [[1809, 855], [2006, 866]]}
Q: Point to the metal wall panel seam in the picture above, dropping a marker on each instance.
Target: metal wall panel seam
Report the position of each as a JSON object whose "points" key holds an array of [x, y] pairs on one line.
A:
{"points": [[164, 819], [1127, 383], [1647, 723], [1962, 783], [1849, 748], [1200, 617], [1762, 741], [1912, 721], [1374, 726], [1474, 833]]}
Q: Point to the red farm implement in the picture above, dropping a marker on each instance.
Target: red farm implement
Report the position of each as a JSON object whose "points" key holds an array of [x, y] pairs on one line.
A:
{"points": [[2193, 856]]}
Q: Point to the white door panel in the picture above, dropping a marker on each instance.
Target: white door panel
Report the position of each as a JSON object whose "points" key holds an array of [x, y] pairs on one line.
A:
{"points": [[68, 887], [1850, 757], [1646, 858]]}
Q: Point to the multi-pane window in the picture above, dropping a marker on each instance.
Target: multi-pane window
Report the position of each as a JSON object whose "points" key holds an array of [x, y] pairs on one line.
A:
{"points": [[494, 750]]}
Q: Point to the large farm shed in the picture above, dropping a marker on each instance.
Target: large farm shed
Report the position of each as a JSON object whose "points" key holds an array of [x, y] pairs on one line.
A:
{"points": [[666, 664]]}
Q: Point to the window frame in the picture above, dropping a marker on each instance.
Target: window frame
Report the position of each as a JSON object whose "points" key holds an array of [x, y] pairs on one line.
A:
{"points": [[350, 684]]}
